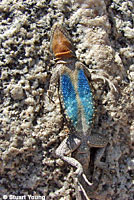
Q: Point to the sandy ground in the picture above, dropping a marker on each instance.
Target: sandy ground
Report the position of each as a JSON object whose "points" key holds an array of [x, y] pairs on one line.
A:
{"points": [[32, 127]]}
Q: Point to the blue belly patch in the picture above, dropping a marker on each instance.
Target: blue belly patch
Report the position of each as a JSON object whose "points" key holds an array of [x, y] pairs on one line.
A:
{"points": [[86, 97], [69, 98]]}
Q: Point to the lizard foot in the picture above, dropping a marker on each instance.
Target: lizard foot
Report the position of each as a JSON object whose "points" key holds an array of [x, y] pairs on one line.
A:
{"points": [[81, 188], [100, 74]]}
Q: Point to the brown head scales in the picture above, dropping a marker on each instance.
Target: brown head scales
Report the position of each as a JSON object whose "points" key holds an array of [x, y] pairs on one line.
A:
{"points": [[61, 44]]}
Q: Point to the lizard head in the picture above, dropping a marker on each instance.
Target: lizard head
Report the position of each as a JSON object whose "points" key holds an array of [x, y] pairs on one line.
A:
{"points": [[61, 44]]}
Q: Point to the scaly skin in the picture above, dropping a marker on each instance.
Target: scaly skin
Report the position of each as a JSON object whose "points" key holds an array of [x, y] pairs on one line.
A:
{"points": [[77, 102]]}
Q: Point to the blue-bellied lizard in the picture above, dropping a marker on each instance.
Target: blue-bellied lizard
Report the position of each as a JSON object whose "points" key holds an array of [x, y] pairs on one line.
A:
{"points": [[78, 105]]}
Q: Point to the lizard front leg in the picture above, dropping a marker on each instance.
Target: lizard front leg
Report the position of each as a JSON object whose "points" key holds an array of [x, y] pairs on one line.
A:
{"points": [[96, 74], [53, 82]]}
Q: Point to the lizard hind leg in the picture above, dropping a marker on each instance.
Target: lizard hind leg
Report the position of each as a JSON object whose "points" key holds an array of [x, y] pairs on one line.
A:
{"points": [[69, 145], [100, 142]]}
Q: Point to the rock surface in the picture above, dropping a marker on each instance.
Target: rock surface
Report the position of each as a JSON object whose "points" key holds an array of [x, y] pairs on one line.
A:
{"points": [[32, 127]]}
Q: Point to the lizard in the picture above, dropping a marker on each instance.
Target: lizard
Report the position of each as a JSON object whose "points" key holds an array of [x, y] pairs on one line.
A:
{"points": [[75, 91]]}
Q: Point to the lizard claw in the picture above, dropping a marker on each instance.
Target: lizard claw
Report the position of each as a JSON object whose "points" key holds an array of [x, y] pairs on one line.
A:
{"points": [[86, 180], [84, 187], [100, 74], [79, 171]]}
